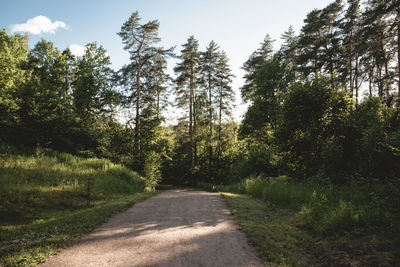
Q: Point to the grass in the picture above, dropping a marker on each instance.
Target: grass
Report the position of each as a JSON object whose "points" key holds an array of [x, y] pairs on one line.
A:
{"points": [[318, 224], [43, 180], [33, 242], [281, 240], [47, 199], [272, 231]]}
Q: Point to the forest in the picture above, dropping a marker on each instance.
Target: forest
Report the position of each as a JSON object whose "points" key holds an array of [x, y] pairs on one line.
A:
{"points": [[320, 137]]}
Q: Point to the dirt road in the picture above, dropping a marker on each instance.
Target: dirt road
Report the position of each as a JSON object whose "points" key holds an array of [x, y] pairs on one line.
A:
{"points": [[175, 228]]}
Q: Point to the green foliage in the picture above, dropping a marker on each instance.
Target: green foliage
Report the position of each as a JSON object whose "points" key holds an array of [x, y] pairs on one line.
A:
{"points": [[325, 209], [28, 180], [13, 56], [93, 95], [312, 113], [256, 158], [335, 210], [281, 238], [152, 170], [279, 191]]}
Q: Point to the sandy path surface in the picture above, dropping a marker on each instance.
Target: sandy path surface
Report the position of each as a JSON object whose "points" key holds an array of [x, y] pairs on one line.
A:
{"points": [[175, 228]]}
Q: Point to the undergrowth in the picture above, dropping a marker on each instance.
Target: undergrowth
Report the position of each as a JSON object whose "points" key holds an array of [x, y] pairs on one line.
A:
{"points": [[361, 221], [47, 199]]}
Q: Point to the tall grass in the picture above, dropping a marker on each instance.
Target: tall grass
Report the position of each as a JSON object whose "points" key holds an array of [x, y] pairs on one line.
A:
{"points": [[30, 179], [322, 208], [47, 199]]}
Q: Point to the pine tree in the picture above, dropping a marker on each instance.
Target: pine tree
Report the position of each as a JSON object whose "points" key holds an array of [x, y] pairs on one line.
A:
{"points": [[187, 81], [287, 51], [139, 40], [319, 43], [350, 31], [309, 44], [377, 35], [209, 60], [253, 65], [393, 9], [332, 42], [225, 97], [156, 84]]}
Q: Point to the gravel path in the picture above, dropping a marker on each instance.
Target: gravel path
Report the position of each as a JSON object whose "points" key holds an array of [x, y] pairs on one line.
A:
{"points": [[174, 228]]}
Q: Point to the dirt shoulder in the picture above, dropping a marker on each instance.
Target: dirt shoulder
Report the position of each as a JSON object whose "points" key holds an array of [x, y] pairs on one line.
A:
{"points": [[175, 228]]}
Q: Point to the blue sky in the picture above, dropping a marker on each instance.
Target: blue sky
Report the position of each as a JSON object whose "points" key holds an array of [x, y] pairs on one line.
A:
{"points": [[238, 26]]}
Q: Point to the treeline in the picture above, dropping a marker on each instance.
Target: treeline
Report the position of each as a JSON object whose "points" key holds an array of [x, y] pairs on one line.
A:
{"points": [[78, 104], [306, 117]]}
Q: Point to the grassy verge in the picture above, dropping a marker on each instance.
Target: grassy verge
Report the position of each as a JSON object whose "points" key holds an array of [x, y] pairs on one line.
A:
{"points": [[279, 236], [272, 231], [31, 243], [47, 199], [291, 222]]}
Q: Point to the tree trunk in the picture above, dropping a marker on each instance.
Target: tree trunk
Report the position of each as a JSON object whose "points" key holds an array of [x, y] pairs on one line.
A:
{"points": [[356, 80], [194, 134], [191, 85], [138, 91], [158, 104], [398, 55], [370, 83], [351, 64], [211, 132], [219, 130], [387, 84]]}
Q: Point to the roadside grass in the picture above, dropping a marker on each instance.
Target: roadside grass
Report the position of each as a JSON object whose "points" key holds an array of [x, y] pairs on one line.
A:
{"points": [[32, 243], [47, 199], [43, 180], [272, 231], [357, 225], [281, 240]]}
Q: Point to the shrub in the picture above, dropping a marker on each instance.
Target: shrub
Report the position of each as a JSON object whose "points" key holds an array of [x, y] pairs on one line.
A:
{"points": [[152, 170]]}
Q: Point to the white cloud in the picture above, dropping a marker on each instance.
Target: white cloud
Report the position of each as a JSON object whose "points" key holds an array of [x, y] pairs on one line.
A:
{"points": [[77, 50], [37, 25]]}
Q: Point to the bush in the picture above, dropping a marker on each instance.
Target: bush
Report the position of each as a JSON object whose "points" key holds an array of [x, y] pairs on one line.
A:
{"points": [[258, 159], [152, 170]]}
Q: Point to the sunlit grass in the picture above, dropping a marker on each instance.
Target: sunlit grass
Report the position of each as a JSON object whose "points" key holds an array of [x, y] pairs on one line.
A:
{"points": [[47, 199], [31, 243]]}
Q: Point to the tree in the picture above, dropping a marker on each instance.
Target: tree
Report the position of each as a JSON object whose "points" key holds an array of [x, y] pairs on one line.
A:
{"points": [[253, 65], [287, 51], [262, 116], [93, 95], [312, 114], [393, 8], [378, 38], [187, 81], [139, 40], [156, 84], [319, 43], [209, 60], [225, 97], [351, 52], [13, 75], [45, 108], [309, 44]]}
